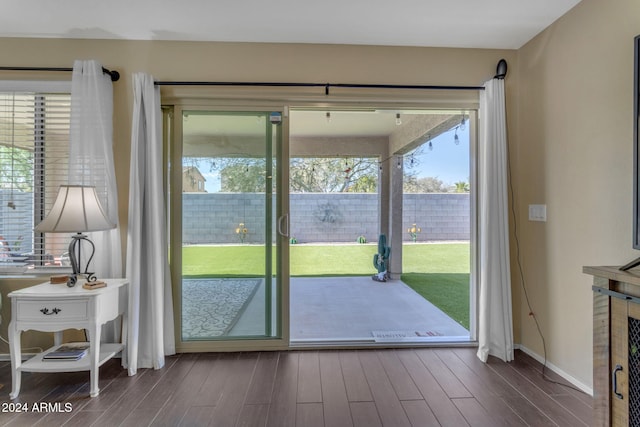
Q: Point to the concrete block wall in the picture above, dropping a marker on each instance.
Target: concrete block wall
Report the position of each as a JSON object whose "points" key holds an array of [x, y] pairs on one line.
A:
{"points": [[315, 217], [334, 217], [322, 217], [214, 217], [441, 217]]}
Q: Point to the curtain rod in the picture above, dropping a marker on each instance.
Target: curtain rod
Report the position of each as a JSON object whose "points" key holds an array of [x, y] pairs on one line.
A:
{"points": [[115, 76], [327, 86], [501, 72]]}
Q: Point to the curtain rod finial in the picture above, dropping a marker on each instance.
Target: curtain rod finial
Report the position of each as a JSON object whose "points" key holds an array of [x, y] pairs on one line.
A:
{"points": [[115, 76], [501, 69]]}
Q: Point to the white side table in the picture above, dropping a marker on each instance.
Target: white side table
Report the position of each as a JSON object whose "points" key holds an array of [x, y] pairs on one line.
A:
{"points": [[54, 308]]}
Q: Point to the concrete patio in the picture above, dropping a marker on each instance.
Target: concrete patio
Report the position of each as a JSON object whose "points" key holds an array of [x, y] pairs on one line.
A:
{"points": [[355, 309]]}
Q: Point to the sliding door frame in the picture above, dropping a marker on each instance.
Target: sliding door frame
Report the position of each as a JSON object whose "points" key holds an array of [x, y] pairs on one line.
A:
{"points": [[234, 99], [281, 341]]}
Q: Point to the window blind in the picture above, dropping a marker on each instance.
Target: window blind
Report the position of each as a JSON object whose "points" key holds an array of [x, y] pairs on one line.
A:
{"points": [[34, 151]]}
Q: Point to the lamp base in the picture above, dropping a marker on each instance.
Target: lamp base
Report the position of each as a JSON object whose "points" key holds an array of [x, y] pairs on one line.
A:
{"points": [[73, 278], [75, 256]]}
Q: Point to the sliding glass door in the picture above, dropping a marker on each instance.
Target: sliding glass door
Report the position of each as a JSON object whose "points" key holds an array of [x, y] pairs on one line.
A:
{"points": [[230, 281]]}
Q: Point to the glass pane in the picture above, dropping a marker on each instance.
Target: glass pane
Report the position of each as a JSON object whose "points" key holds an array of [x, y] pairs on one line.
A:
{"points": [[227, 225], [380, 204], [34, 151], [437, 221]]}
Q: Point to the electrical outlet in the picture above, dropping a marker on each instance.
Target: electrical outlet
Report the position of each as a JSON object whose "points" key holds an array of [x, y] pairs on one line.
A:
{"points": [[538, 213]]}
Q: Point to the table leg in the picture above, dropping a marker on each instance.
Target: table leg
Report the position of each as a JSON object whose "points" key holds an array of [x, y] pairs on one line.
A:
{"points": [[16, 359], [94, 354], [125, 341], [57, 338]]}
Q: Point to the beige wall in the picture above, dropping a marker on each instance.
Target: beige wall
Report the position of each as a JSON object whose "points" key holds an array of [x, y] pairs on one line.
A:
{"points": [[573, 152], [569, 113], [190, 61], [251, 62]]}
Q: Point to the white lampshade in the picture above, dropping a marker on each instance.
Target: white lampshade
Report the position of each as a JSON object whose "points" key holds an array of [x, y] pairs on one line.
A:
{"points": [[76, 209]]}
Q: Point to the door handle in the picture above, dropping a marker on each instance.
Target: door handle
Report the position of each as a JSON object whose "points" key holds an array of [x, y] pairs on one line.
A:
{"points": [[614, 379], [284, 219]]}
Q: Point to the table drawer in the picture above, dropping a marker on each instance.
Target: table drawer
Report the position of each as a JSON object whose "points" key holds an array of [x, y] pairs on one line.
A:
{"points": [[51, 310]]}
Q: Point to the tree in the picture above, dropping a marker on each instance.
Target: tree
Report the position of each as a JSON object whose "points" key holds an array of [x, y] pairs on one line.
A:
{"points": [[429, 184], [16, 169], [329, 175], [312, 175], [461, 187], [306, 175], [243, 176]]}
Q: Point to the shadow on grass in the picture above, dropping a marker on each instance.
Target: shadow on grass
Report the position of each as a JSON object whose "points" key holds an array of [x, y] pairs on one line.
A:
{"points": [[447, 291]]}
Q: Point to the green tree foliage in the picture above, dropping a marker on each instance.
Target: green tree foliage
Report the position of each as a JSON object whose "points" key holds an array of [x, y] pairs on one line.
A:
{"points": [[243, 176], [313, 175], [461, 187], [306, 175], [333, 175], [16, 169], [428, 184]]}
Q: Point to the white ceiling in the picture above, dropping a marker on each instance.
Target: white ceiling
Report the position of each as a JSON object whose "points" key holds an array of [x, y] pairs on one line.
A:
{"points": [[501, 24]]}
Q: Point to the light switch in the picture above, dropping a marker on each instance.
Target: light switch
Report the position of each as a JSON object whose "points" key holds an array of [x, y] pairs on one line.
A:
{"points": [[538, 213]]}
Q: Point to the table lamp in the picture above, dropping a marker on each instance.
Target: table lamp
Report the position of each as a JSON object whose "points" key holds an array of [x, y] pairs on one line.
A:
{"points": [[76, 209]]}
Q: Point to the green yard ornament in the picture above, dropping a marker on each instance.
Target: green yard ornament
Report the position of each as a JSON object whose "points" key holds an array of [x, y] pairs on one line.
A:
{"points": [[381, 259]]}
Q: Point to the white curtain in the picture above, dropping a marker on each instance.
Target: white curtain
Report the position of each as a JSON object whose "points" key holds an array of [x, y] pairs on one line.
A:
{"points": [[91, 156], [495, 329], [91, 163], [150, 303]]}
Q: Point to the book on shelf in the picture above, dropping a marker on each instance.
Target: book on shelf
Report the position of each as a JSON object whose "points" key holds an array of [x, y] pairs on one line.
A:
{"points": [[71, 351]]}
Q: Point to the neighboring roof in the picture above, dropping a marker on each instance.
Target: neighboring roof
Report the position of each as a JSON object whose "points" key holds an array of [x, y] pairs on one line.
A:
{"points": [[192, 169]]}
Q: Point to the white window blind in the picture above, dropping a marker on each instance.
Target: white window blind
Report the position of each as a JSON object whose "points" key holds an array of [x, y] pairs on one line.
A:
{"points": [[34, 151]]}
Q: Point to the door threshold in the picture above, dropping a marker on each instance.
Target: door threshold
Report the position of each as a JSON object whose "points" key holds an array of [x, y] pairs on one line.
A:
{"points": [[308, 344]]}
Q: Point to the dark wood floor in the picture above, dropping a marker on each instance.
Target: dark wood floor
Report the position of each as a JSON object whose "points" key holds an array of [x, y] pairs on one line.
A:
{"points": [[405, 387]]}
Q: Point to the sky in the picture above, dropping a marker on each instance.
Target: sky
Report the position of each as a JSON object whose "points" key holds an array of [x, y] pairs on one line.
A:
{"points": [[212, 183], [446, 161]]}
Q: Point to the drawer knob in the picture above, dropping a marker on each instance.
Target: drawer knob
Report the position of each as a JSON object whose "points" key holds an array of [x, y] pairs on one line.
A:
{"points": [[48, 312]]}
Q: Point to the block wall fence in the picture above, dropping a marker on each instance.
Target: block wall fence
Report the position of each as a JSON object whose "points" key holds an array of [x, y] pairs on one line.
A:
{"points": [[210, 218]]}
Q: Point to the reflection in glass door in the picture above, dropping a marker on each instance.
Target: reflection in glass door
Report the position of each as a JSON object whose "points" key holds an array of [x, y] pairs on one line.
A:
{"points": [[229, 288]]}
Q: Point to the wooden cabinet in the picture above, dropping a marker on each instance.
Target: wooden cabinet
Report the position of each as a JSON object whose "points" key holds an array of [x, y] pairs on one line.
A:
{"points": [[625, 320], [616, 346]]}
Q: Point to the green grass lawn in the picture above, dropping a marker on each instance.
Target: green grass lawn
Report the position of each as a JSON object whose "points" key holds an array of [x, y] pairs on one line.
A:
{"points": [[438, 272], [321, 260], [306, 260], [448, 292]]}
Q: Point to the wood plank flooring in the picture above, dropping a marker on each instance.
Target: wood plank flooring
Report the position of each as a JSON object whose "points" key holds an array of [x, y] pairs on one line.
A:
{"points": [[334, 388]]}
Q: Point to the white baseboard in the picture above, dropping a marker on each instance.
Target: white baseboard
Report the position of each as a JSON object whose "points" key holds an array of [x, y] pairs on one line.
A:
{"points": [[572, 380]]}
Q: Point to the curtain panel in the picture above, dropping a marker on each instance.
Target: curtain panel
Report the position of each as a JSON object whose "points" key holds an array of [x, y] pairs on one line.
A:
{"points": [[150, 301], [91, 156], [495, 327]]}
